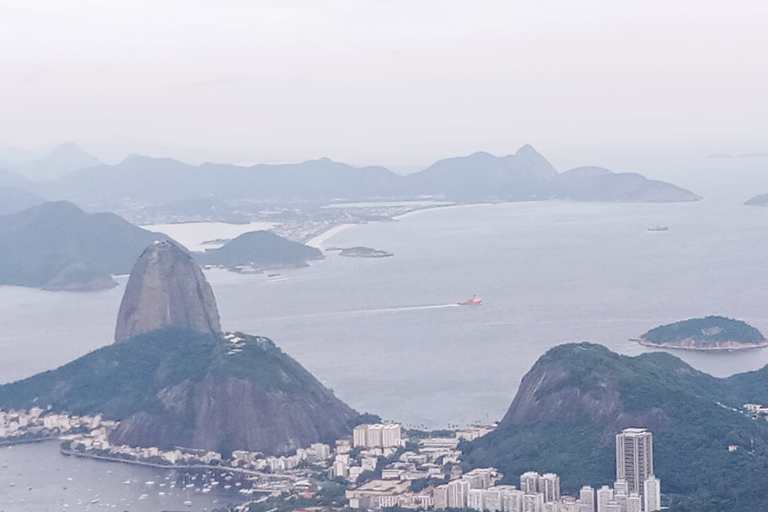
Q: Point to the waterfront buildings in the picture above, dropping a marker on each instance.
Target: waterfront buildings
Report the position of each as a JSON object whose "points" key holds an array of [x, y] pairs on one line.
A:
{"points": [[377, 435]]}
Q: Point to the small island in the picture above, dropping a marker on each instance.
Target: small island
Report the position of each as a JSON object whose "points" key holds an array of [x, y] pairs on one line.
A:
{"points": [[257, 251], [361, 252], [709, 333]]}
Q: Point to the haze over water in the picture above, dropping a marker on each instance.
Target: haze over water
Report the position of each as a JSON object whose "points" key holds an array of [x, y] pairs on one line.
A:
{"points": [[387, 336]]}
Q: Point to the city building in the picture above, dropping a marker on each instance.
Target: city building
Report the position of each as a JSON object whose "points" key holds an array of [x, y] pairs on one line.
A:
{"points": [[652, 494], [587, 499], [458, 493], [549, 486], [512, 499], [634, 503], [376, 494], [481, 478], [604, 496], [634, 458], [377, 435], [529, 482], [472, 433], [533, 502]]}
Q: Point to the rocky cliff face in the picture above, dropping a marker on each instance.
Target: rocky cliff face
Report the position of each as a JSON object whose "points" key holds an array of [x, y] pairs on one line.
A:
{"points": [[577, 397], [166, 288], [255, 398], [582, 384]]}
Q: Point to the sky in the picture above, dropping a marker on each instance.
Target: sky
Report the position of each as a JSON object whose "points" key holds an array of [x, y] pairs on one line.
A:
{"points": [[397, 83]]}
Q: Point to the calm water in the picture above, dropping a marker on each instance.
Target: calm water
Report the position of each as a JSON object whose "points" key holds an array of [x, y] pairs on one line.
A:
{"points": [[37, 478], [386, 334]]}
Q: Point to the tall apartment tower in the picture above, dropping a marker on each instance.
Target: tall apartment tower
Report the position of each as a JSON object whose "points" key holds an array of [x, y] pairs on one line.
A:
{"points": [[634, 458], [652, 492], [529, 482], [549, 486], [587, 499]]}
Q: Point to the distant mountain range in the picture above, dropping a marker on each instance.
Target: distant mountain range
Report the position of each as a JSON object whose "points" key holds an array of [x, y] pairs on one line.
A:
{"points": [[57, 246], [74, 175], [59, 162], [577, 397], [13, 200]]}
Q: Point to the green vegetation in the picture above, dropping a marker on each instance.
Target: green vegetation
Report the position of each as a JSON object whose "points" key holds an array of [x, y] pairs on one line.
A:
{"points": [[122, 379], [708, 332], [681, 406], [260, 249], [58, 246], [366, 418]]}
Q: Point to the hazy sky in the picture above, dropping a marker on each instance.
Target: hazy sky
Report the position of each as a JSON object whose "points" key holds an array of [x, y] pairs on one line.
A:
{"points": [[392, 82]]}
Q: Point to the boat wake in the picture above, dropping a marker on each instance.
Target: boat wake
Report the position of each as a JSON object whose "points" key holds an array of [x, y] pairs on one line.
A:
{"points": [[365, 311]]}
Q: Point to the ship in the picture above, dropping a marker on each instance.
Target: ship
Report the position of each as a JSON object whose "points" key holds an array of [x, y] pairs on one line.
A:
{"points": [[474, 301], [658, 228]]}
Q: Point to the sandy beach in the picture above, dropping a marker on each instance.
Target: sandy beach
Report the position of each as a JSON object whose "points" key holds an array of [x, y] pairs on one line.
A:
{"points": [[317, 242]]}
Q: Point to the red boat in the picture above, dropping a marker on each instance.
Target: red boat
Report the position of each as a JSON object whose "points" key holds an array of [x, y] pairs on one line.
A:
{"points": [[474, 301]]}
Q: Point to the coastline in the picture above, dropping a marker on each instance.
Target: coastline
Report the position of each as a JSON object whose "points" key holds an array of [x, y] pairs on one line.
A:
{"points": [[6, 442], [195, 467], [700, 349], [317, 241]]}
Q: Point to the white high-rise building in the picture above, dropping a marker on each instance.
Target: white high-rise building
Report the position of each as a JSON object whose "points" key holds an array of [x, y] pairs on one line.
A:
{"points": [[475, 499], [634, 458], [620, 486], [549, 486], [621, 499], [587, 499], [458, 493], [634, 503], [529, 482], [377, 435], [493, 500], [612, 507], [391, 436], [652, 494], [481, 478], [533, 502], [512, 500], [604, 496]]}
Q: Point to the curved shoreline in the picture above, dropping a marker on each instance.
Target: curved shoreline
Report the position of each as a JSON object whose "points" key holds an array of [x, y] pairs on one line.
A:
{"points": [[317, 241], [171, 466], [700, 349]]}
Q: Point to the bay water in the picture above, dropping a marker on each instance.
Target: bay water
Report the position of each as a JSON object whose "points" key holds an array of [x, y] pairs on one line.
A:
{"points": [[387, 335]]}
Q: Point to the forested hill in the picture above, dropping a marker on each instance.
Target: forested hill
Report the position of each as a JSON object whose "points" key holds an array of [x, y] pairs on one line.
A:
{"points": [[175, 387], [711, 332], [577, 397]]}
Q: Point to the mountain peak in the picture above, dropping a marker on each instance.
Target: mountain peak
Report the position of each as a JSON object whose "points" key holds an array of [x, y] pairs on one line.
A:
{"points": [[527, 149], [59, 162], [166, 289]]}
